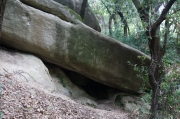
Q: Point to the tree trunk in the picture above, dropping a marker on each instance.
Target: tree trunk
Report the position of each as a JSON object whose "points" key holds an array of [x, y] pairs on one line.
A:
{"points": [[112, 17], [110, 24], [2, 8], [167, 26], [83, 8], [155, 69], [126, 28], [155, 73], [124, 21], [155, 48]]}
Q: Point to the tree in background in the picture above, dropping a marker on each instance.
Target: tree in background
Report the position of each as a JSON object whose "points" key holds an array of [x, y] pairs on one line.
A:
{"points": [[83, 8], [112, 16], [157, 21], [157, 52], [2, 8]]}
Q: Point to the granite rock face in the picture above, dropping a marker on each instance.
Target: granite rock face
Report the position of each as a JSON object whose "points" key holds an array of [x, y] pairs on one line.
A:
{"points": [[56, 36], [26, 68], [31, 70], [88, 17]]}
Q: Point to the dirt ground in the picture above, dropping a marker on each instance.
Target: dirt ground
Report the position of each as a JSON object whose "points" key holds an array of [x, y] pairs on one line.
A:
{"points": [[21, 101]]}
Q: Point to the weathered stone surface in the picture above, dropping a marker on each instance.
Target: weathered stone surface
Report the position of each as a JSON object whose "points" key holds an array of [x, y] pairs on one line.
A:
{"points": [[54, 8], [89, 18], [73, 46], [133, 104], [66, 87], [48, 78], [26, 68]]}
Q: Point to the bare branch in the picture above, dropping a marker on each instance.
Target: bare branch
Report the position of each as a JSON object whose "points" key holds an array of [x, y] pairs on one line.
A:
{"points": [[175, 11], [106, 8], [163, 15]]}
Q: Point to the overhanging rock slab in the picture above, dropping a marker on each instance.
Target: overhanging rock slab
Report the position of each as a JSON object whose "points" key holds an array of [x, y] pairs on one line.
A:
{"points": [[71, 45]]}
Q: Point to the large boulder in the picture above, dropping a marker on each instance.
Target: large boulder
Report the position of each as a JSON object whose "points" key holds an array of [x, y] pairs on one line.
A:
{"points": [[71, 45], [66, 87], [88, 17], [48, 78], [132, 104], [25, 68]]}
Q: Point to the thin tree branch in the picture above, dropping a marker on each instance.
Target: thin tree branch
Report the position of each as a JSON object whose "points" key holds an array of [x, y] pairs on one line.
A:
{"points": [[143, 11], [167, 25], [106, 7], [163, 15]]}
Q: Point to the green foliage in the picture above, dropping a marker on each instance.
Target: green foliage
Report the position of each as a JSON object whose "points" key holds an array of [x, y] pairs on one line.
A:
{"points": [[119, 104], [169, 99], [64, 84], [73, 13], [62, 81], [171, 55], [137, 41], [170, 93], [147, 97], [142, 71]]}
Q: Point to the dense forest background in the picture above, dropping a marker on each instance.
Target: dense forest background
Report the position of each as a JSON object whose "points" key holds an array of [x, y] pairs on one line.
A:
{"points": [[151, 26], [120, 20]]}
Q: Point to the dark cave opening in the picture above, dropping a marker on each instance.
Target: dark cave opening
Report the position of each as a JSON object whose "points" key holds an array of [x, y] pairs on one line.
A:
{"points": [[95, 89]]}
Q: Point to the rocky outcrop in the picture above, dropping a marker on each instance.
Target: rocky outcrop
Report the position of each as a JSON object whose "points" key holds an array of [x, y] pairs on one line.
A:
{"points": [[133, 104], [66, 87], [78, 6], [26, 68], [54, 8], [31, 70], [71, 45]]}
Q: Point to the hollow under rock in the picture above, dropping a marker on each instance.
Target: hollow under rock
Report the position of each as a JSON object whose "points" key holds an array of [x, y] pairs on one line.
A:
{"points": [[95, 89]]}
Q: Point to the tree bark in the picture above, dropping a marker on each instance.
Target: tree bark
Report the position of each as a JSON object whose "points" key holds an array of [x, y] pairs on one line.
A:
{"points": [[156, 57], [2, 8], [155, 48], [167, 26], [110, 24], [112, 17], [124, 21], [142, 10], [83, 8], [126, 28]]}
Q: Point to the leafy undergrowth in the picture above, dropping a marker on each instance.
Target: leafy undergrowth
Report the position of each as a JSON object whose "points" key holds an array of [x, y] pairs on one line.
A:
{"points": [[169, 100]]}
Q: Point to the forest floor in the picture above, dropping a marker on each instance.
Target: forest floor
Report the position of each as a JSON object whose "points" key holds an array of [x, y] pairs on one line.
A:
{"points": [[22, 101]]}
